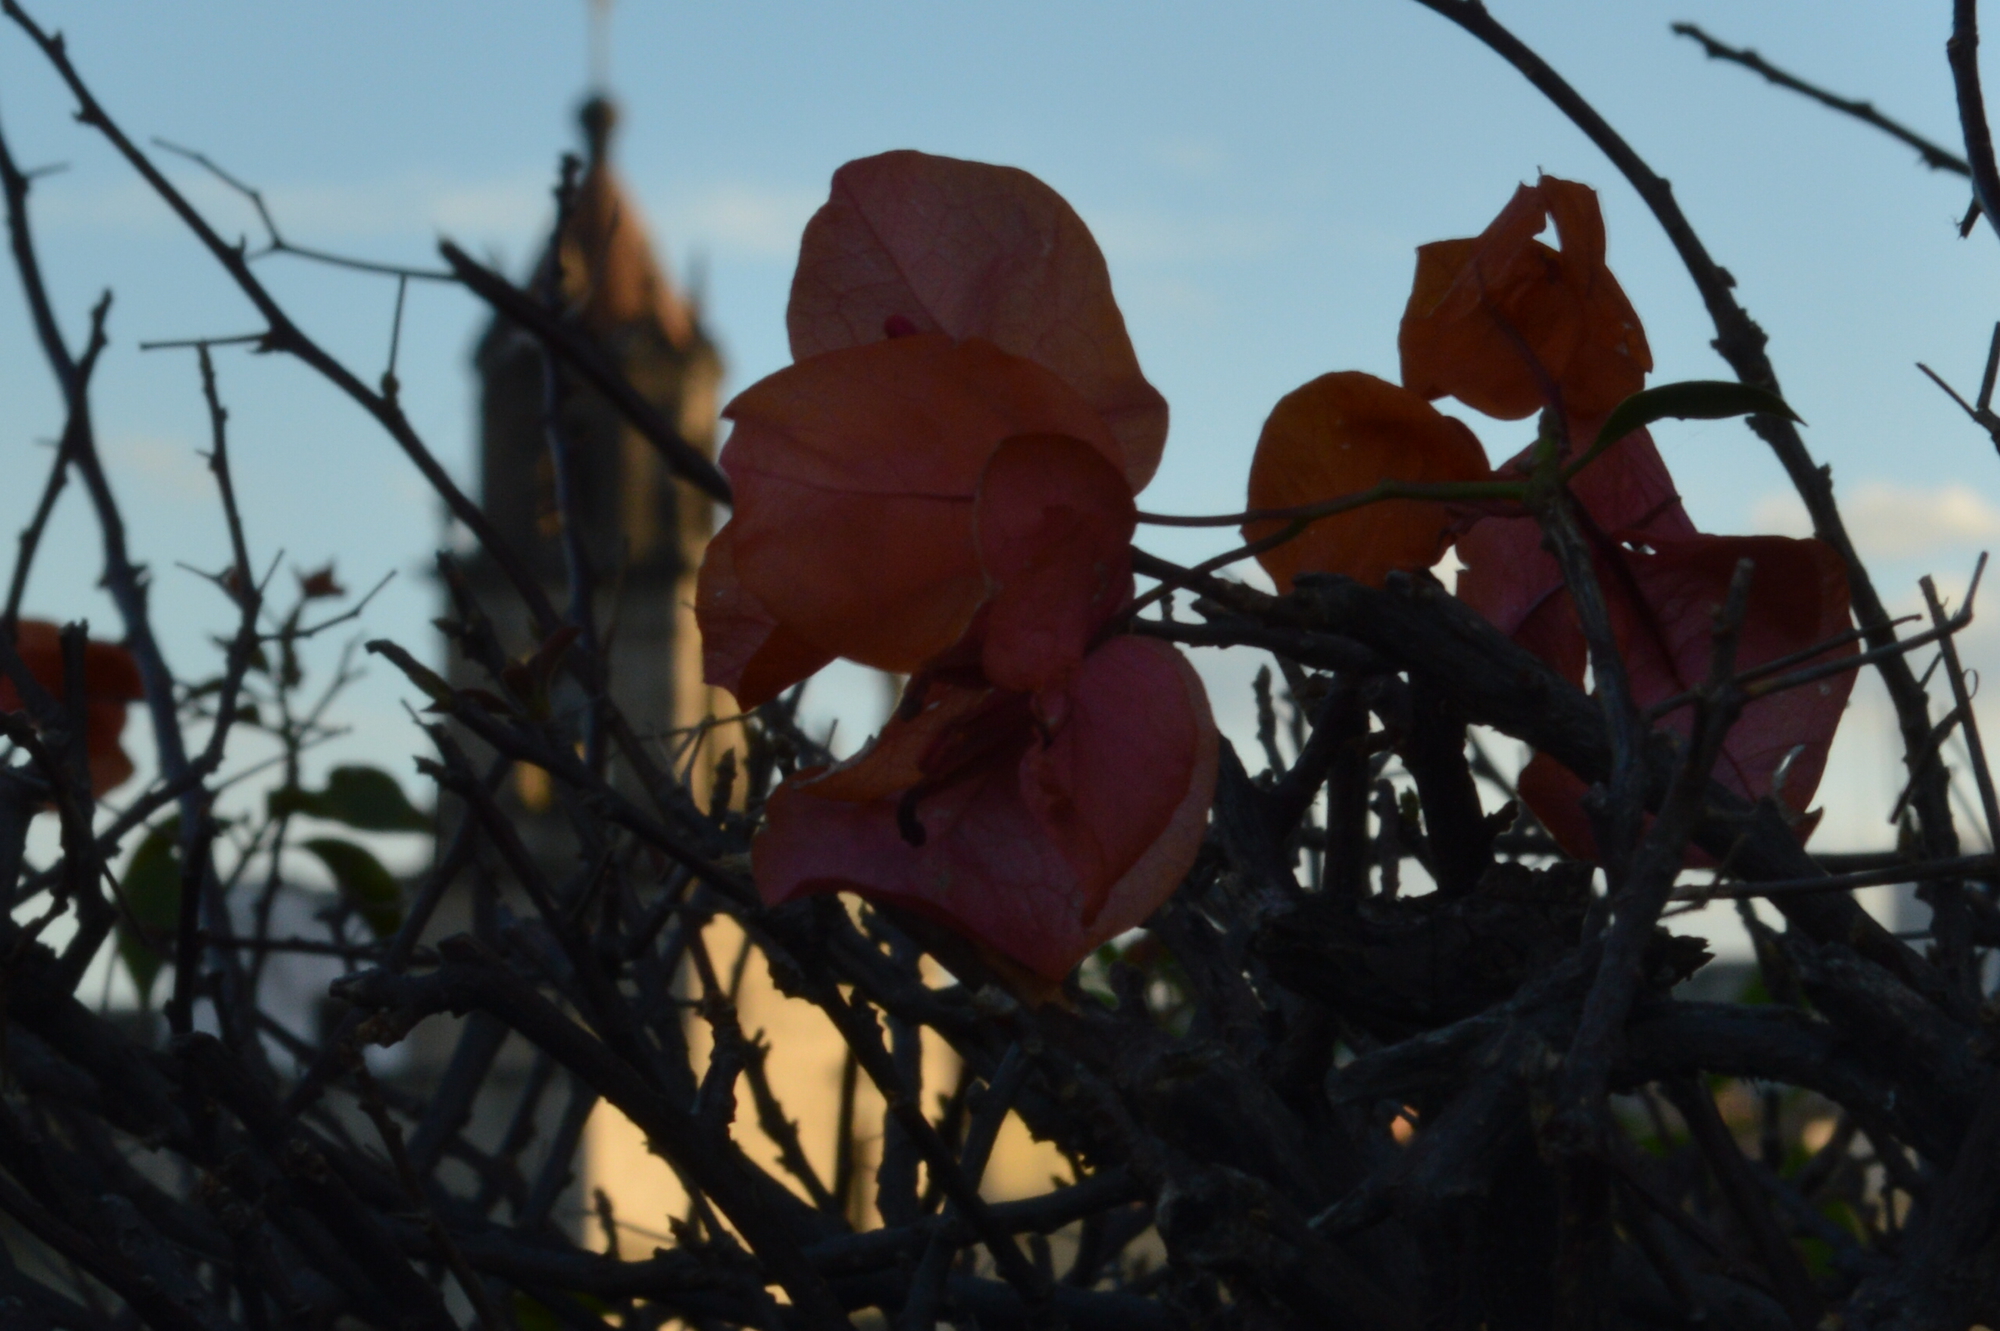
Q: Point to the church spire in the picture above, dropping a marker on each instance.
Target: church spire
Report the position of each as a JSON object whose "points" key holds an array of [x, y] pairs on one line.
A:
{"points": [[599, 117], [611, 276], [615, 290]]}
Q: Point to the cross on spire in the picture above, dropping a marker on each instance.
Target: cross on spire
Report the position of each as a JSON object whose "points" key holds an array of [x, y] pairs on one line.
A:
{"points": [[600, 45]]}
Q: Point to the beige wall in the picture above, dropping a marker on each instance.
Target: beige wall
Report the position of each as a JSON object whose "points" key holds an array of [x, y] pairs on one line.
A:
{"points": [[805, 1067], [807, 1057]]}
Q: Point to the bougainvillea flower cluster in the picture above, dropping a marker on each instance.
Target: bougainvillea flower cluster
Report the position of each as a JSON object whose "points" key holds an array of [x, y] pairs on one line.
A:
{"points": [[1510, 327], [941, 485], [110, 681]]}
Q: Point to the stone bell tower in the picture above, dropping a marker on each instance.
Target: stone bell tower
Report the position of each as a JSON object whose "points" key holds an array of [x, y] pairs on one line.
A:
{"points": [[644, 530]]}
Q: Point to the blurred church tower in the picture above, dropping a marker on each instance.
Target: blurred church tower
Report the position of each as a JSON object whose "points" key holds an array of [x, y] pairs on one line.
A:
{"points": [[645, 533], [644, 530]]}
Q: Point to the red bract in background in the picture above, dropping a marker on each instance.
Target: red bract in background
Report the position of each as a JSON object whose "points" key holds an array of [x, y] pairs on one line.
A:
{"points": [[1038, 849], [110, 681], [1663, 601], [1508, 576]]}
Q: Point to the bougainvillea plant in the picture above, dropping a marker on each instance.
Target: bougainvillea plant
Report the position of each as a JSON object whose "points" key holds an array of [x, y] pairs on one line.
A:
{"points": [[1302, 1092], [110, 682], [1512, 327], [941, 485]]}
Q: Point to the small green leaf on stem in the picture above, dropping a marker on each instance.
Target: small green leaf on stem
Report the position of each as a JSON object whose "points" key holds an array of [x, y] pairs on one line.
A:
{"points": [[366, 798], [1691, 399], [369, 887], [151, 889]]}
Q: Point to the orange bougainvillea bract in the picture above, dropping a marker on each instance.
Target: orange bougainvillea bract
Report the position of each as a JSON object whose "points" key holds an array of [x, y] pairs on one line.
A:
{"points": [[1499, 320], [1341, 434], [934, 244], [942, 485], [1509, 326], [110, 681], [855, 472]]}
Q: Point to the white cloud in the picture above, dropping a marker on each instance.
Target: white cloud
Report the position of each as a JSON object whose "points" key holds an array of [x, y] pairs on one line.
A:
{"points": [[1173, 297], [127, 205], [163, 468], [1890, 521], [1147, 237], [1197, 157], [733, 218], [1780, 514], [315, 212], [403, 204], [727, 218], [484, 207]]}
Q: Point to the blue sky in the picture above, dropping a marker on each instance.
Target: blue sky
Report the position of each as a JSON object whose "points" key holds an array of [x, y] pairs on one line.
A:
{"points": [[1257, 174]]}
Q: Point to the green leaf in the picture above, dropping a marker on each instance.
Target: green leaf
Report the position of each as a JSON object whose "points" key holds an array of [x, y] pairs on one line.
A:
{"points": [[151, 888], [370, 799], [362, 797], [371, 889], [287, 800], [534, 1315], [531, 1315], [1692, 399]]}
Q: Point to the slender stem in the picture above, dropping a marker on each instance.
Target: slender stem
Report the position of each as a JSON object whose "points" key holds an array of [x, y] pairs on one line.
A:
{"points": [[1556, 511], [490, 1316], [1649, 880], [1955, 674], [1951, 912], [1758, 681], [1962, 53], [562, 341], [1439, 492], [1964, 866], [1936, 157], [218, 465], [1297, 520]]}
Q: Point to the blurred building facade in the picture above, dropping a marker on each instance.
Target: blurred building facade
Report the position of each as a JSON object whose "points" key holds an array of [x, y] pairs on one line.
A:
{"points": [[642, 530], [644, 533]]}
